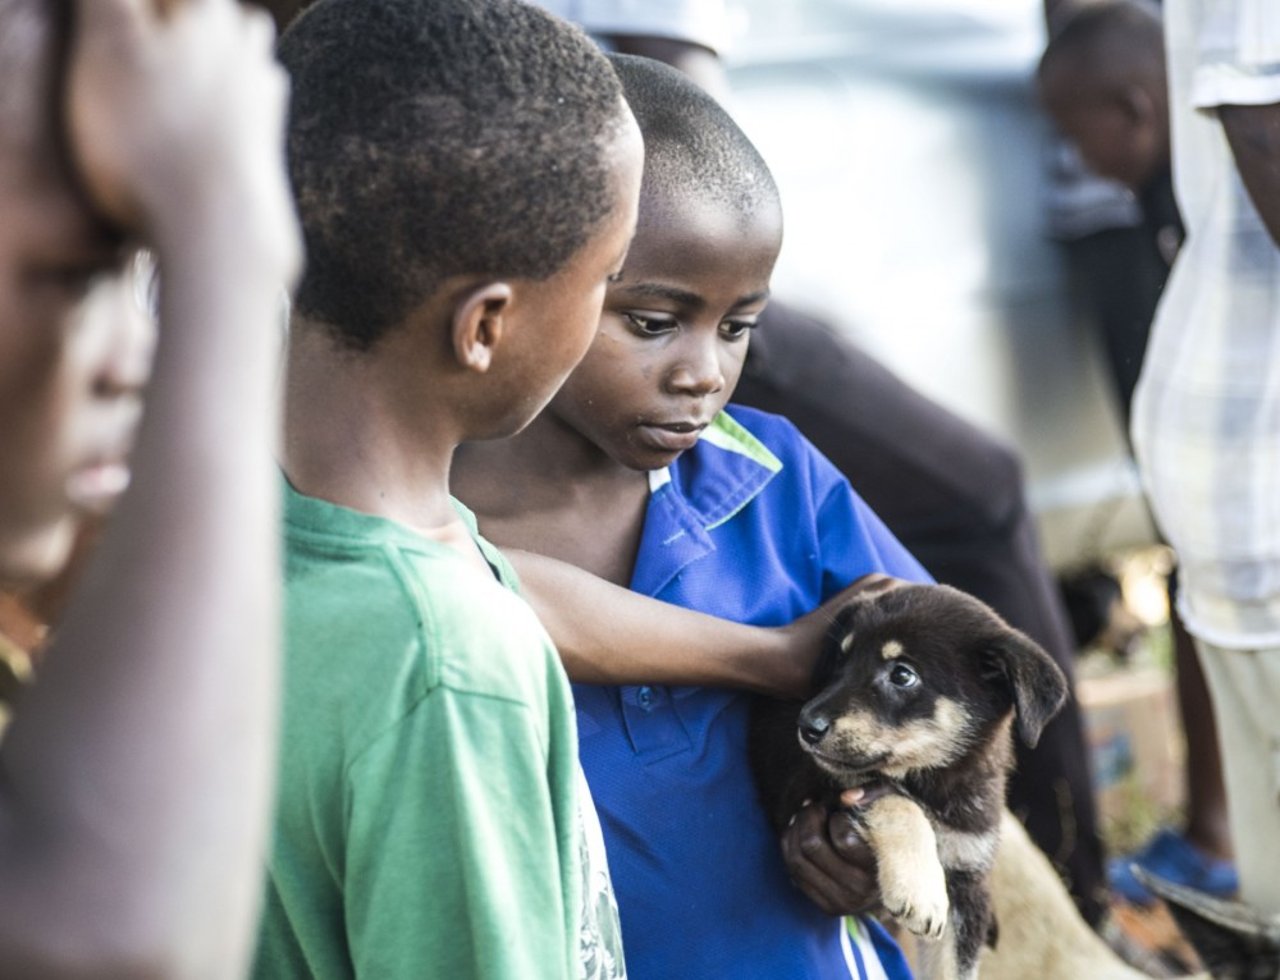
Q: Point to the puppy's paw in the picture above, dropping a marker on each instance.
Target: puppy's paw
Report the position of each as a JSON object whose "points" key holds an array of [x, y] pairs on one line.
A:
{"points": [[913, 886], [921, 911]]}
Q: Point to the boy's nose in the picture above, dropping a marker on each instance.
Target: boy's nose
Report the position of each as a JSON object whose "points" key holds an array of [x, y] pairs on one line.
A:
{"points": [[125, 350], [698, 373]]}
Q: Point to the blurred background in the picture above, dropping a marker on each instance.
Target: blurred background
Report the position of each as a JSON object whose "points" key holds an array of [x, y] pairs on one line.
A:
{"points": [[928, 201], [917, 173]]}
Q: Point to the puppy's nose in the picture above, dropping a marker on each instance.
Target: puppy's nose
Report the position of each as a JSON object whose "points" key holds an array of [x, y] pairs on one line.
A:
{"points": [[812, 729]]}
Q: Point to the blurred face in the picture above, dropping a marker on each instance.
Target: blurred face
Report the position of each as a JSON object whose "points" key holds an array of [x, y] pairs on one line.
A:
{"points": [[559, 316], [1108, 144], [674, 331], [74, 353], [1118, 134]]}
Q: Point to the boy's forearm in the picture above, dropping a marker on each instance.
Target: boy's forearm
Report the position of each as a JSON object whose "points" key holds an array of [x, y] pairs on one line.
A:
{"points": [[139, 767], [610, 635]]}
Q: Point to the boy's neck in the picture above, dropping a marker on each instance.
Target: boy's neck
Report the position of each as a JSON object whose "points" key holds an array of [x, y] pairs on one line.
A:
{"points": [[549, 456], [352, 438], [549, 491]]}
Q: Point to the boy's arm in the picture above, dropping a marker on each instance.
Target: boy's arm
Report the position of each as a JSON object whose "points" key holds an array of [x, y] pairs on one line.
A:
{"points": [[610, 635], [472, 872], [1253, 132], [136, 775]]}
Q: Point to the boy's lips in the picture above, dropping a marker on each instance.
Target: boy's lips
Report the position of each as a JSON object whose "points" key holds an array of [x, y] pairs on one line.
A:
{"points": [[674, 437], [96, 486]]}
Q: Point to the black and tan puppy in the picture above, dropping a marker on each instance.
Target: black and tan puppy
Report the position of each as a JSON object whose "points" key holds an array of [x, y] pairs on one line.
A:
{"points": [[920, 688]]}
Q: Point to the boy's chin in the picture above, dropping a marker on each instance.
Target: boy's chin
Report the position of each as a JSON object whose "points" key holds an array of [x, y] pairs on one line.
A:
{"points": [[652, 462], [33, 557]]}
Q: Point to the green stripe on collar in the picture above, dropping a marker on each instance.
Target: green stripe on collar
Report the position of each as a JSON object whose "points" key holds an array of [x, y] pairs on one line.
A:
{"points": [[726, 433]]}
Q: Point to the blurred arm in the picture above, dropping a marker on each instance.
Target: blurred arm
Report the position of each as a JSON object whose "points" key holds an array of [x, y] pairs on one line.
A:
{"points": [[135, 798], [1253, 132]]}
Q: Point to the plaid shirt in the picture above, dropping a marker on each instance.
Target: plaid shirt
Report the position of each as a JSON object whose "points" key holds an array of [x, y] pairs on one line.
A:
{"points": [[1206, 419]]}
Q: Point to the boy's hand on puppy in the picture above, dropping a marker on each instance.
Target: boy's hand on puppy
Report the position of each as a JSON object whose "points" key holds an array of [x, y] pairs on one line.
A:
{"points": [[806, 636], [178, 117], [829, 861]]}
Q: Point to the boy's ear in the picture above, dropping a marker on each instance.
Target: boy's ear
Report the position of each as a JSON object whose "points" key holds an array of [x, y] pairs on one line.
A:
{"points": [[1138, 106], [479, 324]]}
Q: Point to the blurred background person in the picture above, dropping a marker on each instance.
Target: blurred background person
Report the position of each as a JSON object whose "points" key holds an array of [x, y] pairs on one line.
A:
{"points": [[1103, 81]]}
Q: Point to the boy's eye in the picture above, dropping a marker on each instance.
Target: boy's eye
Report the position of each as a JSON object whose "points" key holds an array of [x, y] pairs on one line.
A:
{"points": [[73, 276], [736, 329], [903, 676], [74, 280], [647, 325]]}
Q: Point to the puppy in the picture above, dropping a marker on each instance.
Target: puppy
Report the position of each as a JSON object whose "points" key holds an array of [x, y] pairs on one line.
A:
{"points": [[1043, 936], [920, 688], [1041, 932]]}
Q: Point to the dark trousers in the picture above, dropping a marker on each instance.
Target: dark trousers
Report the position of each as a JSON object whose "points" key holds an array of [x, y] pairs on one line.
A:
{"points": [[954, 496]]}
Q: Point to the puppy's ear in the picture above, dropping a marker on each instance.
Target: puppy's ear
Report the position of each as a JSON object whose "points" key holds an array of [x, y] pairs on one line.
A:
{"points": [[1036, 684]]}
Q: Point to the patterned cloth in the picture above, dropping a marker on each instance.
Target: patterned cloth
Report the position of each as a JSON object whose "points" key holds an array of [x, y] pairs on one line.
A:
{"points": [[1206, 418], [1207, 412]]}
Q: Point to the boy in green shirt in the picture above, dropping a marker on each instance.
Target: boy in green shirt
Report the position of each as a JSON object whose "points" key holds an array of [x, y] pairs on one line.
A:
{"points": [[467, 176]]}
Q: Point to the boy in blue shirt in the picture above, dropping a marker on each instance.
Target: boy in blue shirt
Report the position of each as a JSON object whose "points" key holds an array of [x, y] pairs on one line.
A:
{"points": [[636, 472]]}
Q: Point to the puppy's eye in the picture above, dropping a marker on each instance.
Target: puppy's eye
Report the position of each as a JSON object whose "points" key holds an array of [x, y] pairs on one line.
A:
{"points": [[903, 676]]}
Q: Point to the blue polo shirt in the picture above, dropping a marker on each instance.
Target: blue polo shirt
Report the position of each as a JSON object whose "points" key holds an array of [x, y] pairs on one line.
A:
{"points": [[753, 524]]}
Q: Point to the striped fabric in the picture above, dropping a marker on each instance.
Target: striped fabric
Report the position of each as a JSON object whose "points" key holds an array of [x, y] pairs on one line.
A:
{"points": [[1206, 419]]}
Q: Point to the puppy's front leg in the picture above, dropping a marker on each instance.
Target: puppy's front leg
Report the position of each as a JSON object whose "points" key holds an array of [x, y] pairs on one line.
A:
{"points": [[912, 884], [970, 919]]}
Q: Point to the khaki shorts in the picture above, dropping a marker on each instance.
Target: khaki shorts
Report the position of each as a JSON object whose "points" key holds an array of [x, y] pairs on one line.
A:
{"points": [[1245, 686]]}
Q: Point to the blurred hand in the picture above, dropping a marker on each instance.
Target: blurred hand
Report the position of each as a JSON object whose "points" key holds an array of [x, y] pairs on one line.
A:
{"points": [[829, 862], [175, 114]]}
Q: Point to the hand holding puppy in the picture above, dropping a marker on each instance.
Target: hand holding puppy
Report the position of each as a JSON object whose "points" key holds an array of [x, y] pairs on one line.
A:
{"points": [[829, 861]]}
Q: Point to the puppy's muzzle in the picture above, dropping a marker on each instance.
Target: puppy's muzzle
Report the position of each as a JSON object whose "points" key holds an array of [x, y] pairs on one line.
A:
{"points": [[812, 727]]}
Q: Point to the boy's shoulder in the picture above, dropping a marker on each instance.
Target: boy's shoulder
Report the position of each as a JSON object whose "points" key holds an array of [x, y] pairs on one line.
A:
{"points": [[378, 617]]}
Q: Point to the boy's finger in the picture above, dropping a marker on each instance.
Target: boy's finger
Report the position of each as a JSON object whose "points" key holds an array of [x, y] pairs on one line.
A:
{"points": [[808, 845]]}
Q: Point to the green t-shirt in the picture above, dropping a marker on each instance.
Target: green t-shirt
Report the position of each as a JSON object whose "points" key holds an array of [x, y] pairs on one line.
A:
{"points": [[432, 818]]}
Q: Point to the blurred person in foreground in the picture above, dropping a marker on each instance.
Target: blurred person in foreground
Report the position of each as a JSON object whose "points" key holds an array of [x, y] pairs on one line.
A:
{"points": [[136, 795]]}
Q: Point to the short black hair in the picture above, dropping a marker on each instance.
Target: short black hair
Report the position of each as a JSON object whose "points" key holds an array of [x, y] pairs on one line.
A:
{"points": [[432, 138], [690, 142], [1107, 43]]}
